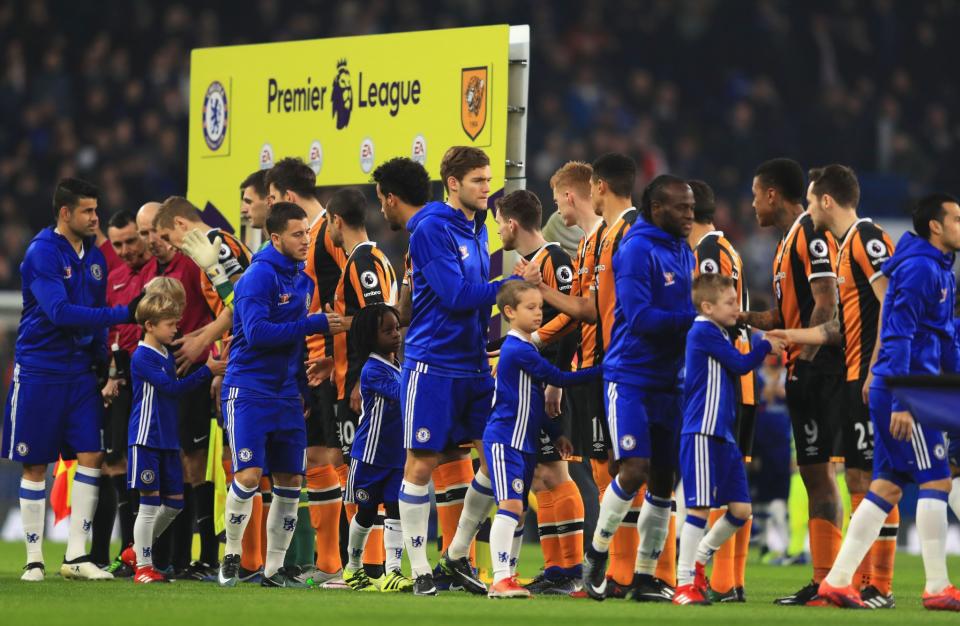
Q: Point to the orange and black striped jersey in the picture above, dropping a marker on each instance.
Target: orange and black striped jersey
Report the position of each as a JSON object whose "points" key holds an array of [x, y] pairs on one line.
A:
{"points": [[603, 279], [235, 259], [324, 265], [715, 254], [863, 250], [368, 278], [556, 268], [803, 255]]}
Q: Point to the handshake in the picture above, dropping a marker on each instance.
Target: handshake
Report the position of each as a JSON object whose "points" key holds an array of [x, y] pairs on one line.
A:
{"points": [[778, 339]]}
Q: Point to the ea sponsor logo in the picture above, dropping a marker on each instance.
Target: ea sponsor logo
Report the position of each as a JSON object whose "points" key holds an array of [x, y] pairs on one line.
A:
{"points": [[368, 279], [423, 435], [215, 115], [361, 495], [266, 156], [564, 274], [628, 442], [315, 156], [366, 155], [147, 477], [818, 248], [876, 248], [517, 485], [245, 454], [23, 449], [418, 152], [708, 266]]}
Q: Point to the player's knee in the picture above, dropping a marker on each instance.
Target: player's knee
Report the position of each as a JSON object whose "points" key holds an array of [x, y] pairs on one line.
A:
{"points": [[740, 510], [550, 475], [317, 456], [887, 490], [419, 467], [633, 473], [289, 481], [937, 485], [392, 510], [249, 478], [366, 515], [514, 506]]}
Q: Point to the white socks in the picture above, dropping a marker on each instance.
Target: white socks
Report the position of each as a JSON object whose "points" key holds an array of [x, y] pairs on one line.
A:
{"points": [[954, 498], [236, 515], [83, 502], [863, 530], [501, 543], [691, 533], [515, 552], [392, 544], [33, 501], [932, 530], [724, 528], [281, 523], [414, 516], [613, 508], [152, 519], [653, 526], [356, 543], [476, 508]]}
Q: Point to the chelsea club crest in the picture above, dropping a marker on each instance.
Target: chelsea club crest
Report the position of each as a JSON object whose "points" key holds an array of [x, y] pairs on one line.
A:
{"points": [[215, 115]]}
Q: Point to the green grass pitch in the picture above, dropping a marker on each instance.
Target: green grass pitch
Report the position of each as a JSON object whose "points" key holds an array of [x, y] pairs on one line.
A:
{"points": [[67, 603]]}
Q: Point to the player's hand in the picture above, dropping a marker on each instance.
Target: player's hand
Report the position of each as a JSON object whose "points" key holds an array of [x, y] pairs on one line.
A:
{"points": [[307, 409], [204, 253], [132, 307], [531, 274], [191, 348], [111, 390], [520, 267], [216, 366], [742, 317], [335, 321], [318, 370], [564, 447], [356, 402], [553, 396], [215, 386], [901, 425], [865, 392], [778, 342]]}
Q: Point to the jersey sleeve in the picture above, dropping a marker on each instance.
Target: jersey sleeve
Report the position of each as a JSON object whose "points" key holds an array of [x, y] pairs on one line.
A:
{"points": [[252, 308], [719, 347], [644, 317], [543, 371], [708, 257], [561, 269], [901, 318], [871, 249], [819, 255], [380, 381], [152, 371]]}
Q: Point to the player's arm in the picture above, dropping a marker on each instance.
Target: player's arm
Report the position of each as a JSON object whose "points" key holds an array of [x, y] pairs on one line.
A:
{"points": [[824, 290], [763, 320], [636, 301], [543, 371], [577, 307], [253, 307], [381, 383], [823, 335], [46, 285], [405, 305], [154, 373], [732, 359], [903, 320]]}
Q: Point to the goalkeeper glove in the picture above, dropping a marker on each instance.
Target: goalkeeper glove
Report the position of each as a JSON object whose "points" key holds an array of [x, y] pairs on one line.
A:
{"points": [[206, 254]]}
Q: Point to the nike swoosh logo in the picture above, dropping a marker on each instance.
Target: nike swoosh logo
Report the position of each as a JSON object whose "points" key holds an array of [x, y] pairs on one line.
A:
{"points": [[116, 287], [198, 440]]}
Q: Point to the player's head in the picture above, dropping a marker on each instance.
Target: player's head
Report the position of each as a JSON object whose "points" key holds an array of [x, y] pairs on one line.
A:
{"points": [[715, 297], [376, 329], [168, 286], [175, 218], [522, 305], [253, 199], [159, 314], [704, 202], [833, 190], [291, 180], [75, 207], [519, 210], [289, 230], [347, 209], [466, 176], [776, 182], [936, 218], [126, 240], [571, 189], [667, 203], [401, 181], [614, 176], [148, 231]]}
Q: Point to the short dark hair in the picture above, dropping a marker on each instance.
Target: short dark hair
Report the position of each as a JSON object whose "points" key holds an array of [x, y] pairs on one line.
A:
{"points": [[122, 219], [404, 178], [838, 181], [459, 160], [509, 294], [653, 192], [617, 170], [292, 174], [257, 180], [366, 326], [705, 203], [350, 205], [784, 175], [524, 207], [927, 209], [69, 191], [281, 213], [708, 287]]}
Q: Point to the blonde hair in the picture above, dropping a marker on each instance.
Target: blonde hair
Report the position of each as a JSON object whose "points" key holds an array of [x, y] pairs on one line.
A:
{"points": [[709, 287], [175, 206], [170, 287], [510, 293], [575, 175], [156, 307]]}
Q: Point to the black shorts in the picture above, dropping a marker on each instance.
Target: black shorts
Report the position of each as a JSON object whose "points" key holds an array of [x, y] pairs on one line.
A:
{"points": [[116, 423], [746, 427], [347, 422], [817, 417], [322, 424], [548, 452], [589, 423], [196, 411], [857, 430]]}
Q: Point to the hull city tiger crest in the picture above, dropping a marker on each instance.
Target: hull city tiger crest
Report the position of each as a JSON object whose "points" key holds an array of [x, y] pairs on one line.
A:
{"points": [[473, 100]]}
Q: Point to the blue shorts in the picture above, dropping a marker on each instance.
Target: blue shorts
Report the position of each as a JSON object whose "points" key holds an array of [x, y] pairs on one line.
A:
{"points": [[920, 460], [712, 472], [643, 423], [372, 484], [44, 419], [265, 432], [441, 411], [511, 471], [151, 469]]}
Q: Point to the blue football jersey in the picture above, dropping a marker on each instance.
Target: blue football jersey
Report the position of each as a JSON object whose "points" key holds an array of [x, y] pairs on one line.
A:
{"points": [[379, 436]]}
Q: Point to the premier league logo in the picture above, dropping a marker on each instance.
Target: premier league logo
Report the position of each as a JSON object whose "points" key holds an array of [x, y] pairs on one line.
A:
{"points": [[423, 435], [147, 477], [564, 274], [215, 115], [517, 485], [245, 454], [368, 279], [342, 95], [708, 266]]}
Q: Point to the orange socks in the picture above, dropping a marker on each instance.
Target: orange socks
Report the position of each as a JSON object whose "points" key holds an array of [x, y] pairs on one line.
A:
{"points": [[722, 575], [323, 489], [547, 528], [825, 539], [450, 482], [740, 553], [568, 508], [884, 552]]}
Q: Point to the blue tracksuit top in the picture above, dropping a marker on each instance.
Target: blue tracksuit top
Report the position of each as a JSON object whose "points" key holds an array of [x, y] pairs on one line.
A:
{"points": [[917, 329], [452, 295], [270, 323], [64, 322], [653, 278]]}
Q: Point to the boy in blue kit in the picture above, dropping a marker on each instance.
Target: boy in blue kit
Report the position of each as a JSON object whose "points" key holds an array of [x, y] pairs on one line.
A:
{"points": [[154, 466], [511, 439], [711, 464], [376, 457], [264, 387]]}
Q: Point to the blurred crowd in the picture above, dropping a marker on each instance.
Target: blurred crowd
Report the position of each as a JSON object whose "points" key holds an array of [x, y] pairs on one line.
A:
{"points": [[700, 88]]}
